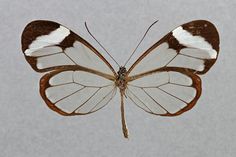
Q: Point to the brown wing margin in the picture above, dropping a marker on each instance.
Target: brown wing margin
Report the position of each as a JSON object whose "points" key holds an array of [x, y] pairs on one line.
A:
{"points": [[44, 85], [196, 84], [42, 27], [202, 28]]}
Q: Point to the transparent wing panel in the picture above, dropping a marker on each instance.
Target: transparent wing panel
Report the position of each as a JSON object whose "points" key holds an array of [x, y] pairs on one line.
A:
{"points": [[166, 92], [76, 92]]}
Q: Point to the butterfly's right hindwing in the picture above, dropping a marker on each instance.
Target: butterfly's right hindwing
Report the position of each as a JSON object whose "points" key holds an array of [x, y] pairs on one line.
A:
{"points": [[75, 92]]}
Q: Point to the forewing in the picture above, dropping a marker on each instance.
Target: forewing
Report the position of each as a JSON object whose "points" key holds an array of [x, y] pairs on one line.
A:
{"points": [[193, 46], [48, 46], [168, 92], [75, 92]]}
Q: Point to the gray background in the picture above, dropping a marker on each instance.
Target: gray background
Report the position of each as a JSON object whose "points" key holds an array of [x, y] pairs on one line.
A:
{"points": [[29, 128]]}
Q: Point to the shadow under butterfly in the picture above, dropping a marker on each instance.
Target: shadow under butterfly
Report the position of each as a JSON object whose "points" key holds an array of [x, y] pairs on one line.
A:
{"points": [[79, 80]]}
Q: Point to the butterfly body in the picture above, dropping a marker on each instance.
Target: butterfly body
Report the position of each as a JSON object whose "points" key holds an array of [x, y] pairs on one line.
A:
{"points": [[121, 80], [78, 80]]}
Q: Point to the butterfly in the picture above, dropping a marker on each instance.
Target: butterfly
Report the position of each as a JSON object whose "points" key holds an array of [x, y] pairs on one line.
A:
{"points": [[78, 80]]}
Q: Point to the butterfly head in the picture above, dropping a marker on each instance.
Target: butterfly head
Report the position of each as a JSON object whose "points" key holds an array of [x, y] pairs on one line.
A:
{"points": [[122, 71], [121, 81]]}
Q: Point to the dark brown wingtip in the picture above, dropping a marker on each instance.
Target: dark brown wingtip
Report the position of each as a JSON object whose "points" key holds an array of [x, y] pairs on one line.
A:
{"points": [[208, 31], [34, 29], [205, 29]]}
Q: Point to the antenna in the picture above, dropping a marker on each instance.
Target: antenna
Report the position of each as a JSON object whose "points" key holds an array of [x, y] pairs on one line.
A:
{"points": [[141, 41], [100, 44]]}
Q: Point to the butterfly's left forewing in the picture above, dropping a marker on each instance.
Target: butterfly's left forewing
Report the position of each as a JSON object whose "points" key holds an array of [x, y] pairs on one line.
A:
{"points": [[193, 46], [164, 79]]}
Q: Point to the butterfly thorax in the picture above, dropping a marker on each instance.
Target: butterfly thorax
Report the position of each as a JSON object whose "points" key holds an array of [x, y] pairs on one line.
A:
{"points": [[121, 78]]}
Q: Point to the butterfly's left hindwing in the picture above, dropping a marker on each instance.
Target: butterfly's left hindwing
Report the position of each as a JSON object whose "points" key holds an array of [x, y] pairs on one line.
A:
{"points": [[167, 92]]}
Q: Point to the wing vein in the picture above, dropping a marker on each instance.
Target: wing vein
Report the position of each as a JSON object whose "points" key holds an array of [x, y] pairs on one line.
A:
{"points": [[113, 90], [46, 55], [171, 60], [88, 99], [148, 86], [62, 84], [139, 100], [155, 100], [69, 95], [172, 95], [70, 58], [191, 56], [178, 84], [93, 86]]}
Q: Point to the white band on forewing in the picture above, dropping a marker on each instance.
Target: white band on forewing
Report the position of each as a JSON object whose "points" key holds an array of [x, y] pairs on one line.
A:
{"points": [[55, 37], [187, 39]]}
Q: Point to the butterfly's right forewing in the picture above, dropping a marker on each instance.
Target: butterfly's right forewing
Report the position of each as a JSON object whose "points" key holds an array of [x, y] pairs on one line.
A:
{"points": [[48, 46]]}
